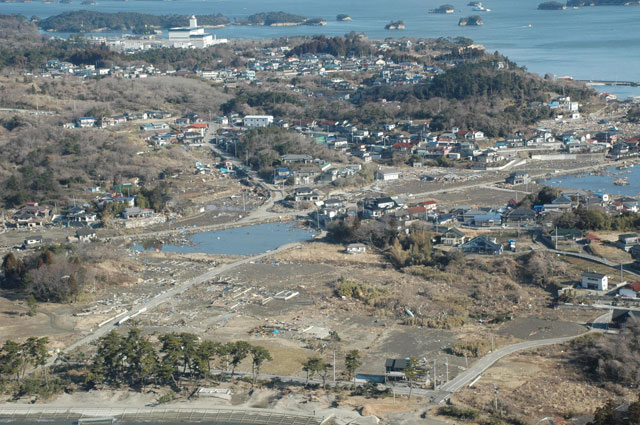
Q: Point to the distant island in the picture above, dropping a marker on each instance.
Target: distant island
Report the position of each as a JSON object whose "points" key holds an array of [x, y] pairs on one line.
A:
{"points": [[315, 22], [395, 25], [138, 23], [470, 21], [551, 5], [580, 3], [444, 9], [343, 18], [142, 23], [279, 19]]}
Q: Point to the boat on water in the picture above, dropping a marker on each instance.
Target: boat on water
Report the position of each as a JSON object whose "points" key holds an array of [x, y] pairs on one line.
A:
{"points": [[621, 181], [480, 8]]}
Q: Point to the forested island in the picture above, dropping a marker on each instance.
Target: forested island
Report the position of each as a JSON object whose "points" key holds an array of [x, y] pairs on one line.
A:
{"points": [[139, 23], [551, 5], [276, 19], [471, 21], [142, 23]]}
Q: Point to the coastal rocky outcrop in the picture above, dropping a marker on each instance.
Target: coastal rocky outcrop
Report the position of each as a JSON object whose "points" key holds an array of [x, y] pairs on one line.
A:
{"points": [[471, 21], [395, 25], [443, 9], [343, 18]]}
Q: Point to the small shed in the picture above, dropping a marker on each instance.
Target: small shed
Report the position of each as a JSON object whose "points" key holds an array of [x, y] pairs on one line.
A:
{"points": [[356, 248]]}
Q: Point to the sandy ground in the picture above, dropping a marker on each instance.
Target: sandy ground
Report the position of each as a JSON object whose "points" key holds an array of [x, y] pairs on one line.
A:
{"points": [[354, 410]]}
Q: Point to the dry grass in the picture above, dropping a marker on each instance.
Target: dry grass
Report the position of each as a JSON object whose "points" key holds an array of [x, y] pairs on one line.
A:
{"points": [[535, 384]]}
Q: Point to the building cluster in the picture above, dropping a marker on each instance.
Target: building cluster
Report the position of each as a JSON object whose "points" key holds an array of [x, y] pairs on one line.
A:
{"points": [[86, 215]]}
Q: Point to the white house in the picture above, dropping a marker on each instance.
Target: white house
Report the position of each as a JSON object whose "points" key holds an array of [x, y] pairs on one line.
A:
{"points": [[254, 121], [356, 248], [387, 175], [597, 281], [85, 122]]}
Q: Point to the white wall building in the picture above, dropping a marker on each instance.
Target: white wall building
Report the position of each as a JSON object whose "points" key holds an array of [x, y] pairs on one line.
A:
{"points": [[595, 281], [192, 36], [254, 121]]}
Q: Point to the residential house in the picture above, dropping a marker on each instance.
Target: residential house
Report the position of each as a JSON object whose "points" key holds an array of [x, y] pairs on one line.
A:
{"points": [[356, 248], [635, 253], [85, 122], [394, 369], [519, 177], [630, 290], [417, 211], [488, 219], [627, 241], [483, 245], [520, 216], [595, 281], [387, 175], [295, 158], [430, 205], [136, 212], [377, 207], [306, 194], [86, 235], [561, 203], [305, 175], [453, 237]]}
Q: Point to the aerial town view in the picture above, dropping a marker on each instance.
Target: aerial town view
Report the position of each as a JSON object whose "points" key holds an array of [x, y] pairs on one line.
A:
{"points": [[319, 213]]}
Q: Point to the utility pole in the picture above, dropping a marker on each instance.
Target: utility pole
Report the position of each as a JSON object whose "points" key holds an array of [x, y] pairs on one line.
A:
{"points": [[556, 238], [492, 345], [334, 365], [435, 376], [446, 364], [495, 397]]}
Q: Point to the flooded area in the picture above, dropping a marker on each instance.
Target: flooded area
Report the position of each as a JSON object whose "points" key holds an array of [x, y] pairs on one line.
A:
{"points": [[248, 240], [625, 181]]}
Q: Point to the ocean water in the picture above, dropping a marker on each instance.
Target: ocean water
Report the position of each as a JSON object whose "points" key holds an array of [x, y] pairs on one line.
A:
{"points": [[588, 43], [248, 240], [602, 183]]}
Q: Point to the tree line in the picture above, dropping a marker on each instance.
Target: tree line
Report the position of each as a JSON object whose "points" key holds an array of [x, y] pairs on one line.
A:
{"points": [[178, 360], [182, 358], [589, 219]]}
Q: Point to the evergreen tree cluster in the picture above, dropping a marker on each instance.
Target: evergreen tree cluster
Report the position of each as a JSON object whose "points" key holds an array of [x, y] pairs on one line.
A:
{"points": [[182, 358]]}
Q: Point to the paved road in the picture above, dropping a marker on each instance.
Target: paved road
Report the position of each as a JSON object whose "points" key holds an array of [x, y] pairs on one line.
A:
{"points": [[167, 295], [485, 183], [487, 361], [587, 257], [480, 366]]}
